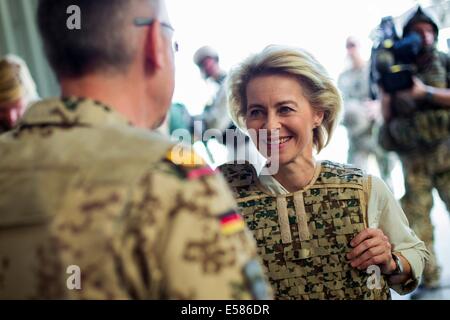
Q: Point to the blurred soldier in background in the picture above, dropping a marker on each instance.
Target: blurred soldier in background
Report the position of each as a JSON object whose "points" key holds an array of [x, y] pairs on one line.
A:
{"points": [[417, 124], [12, 95], [362, 116], [25, 77], [96, 206], [216, 116], [178, 117]]}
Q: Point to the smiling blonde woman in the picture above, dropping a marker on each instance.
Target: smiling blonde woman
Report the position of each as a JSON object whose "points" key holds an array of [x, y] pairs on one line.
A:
{"points": [[319, 226]]}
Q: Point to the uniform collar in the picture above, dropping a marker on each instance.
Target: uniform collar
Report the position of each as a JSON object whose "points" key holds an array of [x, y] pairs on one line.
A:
{"points": [[72, 111]]}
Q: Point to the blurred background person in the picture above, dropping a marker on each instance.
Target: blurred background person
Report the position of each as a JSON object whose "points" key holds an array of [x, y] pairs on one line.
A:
{"points": [[13, 97], [416, 111], [215, 114], [28, 83], [178, 117], [362, 115]]}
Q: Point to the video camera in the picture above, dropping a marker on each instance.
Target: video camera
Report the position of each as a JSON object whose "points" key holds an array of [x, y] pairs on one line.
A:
{"points": [[392, 61]]}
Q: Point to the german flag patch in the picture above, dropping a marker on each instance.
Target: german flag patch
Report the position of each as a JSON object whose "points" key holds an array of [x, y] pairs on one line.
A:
{"points": [[231, 222], [185, 157], [200, 172]]}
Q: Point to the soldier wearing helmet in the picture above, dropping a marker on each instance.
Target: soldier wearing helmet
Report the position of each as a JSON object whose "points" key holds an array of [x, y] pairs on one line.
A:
{"points": [[207, 59], [417, 123], [215, 115], [422, 22]]}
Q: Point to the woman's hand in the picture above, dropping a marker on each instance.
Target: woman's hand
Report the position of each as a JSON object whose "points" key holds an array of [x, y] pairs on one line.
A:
{"points": [[372, 247]]}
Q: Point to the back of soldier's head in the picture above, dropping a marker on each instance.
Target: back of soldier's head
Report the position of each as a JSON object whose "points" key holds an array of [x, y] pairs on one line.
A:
{"points": [[84, 36]]}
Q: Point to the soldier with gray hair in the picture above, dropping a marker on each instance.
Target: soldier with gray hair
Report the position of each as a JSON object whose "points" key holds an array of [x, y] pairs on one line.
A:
{"points": [[320, 226], [96, 206]]}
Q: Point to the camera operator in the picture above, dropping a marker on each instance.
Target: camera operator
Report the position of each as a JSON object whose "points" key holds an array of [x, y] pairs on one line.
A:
{"points": [[417, 125]]}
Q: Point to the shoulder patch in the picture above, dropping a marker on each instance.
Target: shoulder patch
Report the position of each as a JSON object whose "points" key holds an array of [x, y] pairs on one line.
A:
{"points": [[184, 156], [333, 172], [231, 222], [188, 163], [200, 172]]}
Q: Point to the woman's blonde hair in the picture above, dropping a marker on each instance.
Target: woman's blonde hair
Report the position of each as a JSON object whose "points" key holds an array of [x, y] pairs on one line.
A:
{"points": [[318, 87]]}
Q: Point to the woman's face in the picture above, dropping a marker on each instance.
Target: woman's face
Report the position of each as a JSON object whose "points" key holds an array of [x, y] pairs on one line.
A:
{"points": [[277, 103]]}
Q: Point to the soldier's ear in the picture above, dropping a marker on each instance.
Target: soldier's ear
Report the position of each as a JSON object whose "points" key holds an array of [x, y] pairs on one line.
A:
{"points": [[154, 47]]}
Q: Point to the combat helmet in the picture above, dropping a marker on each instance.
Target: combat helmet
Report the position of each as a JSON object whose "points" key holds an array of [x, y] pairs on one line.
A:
{"points": [[420, 15], [205, 52]]}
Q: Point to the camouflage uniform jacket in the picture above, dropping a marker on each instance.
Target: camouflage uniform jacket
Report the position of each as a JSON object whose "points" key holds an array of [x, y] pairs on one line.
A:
{"points": [[303, 237], [420, 126], [94, 208], [354, 86]]}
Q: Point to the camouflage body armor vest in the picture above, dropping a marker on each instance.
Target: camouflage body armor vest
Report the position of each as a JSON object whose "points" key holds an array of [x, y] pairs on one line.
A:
{"points": [[303, 237], [422, 124]]}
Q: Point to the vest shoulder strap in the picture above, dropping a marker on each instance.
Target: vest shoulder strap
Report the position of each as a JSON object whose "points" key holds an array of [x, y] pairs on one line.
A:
{"points": [[367, 187], [239, 175]]}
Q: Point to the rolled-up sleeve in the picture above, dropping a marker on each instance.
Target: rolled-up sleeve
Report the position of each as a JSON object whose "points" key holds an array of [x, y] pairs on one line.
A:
{"points": [[385, 213]]}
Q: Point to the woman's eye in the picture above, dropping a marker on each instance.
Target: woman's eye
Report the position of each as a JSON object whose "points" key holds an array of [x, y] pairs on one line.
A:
{"points": [[254, 113], [285, 110]]}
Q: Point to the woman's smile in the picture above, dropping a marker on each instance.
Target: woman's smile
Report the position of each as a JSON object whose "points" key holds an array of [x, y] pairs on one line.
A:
{"points": [[281, 142]]}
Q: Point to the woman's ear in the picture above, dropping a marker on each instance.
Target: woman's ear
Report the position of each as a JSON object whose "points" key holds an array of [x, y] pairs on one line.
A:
{"points": [[318, 118]]}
